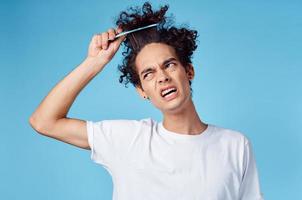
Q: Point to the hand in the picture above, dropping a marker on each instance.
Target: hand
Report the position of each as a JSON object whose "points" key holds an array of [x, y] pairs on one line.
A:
{"points": [[103, 50]]}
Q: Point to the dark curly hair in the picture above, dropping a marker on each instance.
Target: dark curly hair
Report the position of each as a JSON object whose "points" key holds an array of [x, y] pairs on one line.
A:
{"points": [[182, 39]]}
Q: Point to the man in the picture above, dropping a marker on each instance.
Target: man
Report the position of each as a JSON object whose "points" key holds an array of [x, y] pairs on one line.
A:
{"points": [[178, 158]]}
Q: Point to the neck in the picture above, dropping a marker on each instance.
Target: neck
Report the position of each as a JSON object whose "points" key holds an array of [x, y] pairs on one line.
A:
{"points": [[185, 121]]}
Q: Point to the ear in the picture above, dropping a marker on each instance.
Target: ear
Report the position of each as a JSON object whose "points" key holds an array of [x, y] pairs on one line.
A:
{"points": [[141, 92], [190, 72]]}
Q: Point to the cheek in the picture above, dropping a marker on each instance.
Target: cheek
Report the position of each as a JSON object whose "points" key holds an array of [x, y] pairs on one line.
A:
{"points": [[185, 82], [148, 88]]}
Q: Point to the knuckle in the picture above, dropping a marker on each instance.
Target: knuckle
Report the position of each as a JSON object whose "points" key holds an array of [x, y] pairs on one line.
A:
{"points": [[104, 34], [104, 37], [111, 36]]}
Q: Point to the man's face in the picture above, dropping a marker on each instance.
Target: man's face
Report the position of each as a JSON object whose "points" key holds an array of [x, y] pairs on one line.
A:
{"points": [[163, 78]]}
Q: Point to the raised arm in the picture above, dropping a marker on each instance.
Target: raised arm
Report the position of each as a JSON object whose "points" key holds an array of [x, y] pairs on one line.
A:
{"points": [[50, 117]]}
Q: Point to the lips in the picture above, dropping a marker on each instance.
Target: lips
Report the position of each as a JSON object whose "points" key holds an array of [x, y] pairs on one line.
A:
{"points": [[167, 90]]}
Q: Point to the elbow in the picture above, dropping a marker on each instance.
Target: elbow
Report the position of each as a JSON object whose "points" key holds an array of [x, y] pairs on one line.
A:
{"points": [[36, 125]]}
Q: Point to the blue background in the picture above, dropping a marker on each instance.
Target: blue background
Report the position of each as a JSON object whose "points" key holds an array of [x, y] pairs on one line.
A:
{"points": [[247, 65]]}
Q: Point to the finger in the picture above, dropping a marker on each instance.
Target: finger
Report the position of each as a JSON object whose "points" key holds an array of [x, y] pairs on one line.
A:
{"points": [[122, 38], [104, 40], [94, 41], [119, 40], [119, 30], [111, 33], [99, 40]]}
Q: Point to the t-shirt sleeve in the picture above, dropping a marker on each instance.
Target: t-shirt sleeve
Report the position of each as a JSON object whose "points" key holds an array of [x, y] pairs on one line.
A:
{"points": [[109, 139], [250, 186], [99, 141]]}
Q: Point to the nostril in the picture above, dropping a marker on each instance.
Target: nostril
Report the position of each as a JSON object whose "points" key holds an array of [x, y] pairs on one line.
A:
{"points": [[163, 78], [167, 79]]}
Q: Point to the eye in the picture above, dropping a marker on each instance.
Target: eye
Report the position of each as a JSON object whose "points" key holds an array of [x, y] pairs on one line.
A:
{"points": [[147, 75], [170, 64]]}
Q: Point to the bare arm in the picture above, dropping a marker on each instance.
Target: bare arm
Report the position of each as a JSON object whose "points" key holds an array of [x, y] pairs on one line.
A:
{"points": [[50, 118]]}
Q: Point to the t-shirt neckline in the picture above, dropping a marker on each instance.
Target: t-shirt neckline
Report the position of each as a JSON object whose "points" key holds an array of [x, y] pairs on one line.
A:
{"points": [[178, 136]]}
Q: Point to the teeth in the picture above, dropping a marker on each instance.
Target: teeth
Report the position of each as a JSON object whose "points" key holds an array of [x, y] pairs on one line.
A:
{"points": [[166, 91]]}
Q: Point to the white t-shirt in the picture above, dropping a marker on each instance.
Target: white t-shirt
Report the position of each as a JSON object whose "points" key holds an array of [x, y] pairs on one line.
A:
{"points": [[148, 162]]}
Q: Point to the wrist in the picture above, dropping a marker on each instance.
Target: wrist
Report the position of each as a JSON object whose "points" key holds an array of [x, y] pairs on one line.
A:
{"points": [[95, 63]]}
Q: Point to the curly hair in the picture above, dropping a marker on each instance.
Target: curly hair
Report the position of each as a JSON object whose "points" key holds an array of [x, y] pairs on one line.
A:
{"points": [[182, 40]]}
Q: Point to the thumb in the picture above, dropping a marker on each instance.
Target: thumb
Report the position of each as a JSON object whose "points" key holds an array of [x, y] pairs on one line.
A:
{"points": [[118, 41], [122, 38]]}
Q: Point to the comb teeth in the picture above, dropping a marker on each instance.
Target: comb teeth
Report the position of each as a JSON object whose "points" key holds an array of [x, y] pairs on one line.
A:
{"points": [[134, 30]]}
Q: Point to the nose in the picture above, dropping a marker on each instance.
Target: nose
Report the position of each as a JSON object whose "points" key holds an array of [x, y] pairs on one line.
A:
{"points": [[163, 77]]}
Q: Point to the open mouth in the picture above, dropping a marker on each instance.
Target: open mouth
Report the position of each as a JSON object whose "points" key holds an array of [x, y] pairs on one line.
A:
{"points": [[168, 92]]}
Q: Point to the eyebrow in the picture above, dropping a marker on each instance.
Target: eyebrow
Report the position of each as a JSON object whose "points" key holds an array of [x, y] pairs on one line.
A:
{"points": [[148, 69]]}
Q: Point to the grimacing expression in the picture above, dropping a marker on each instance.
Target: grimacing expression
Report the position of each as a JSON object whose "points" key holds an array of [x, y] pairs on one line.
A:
{"points": [[163, 78]]}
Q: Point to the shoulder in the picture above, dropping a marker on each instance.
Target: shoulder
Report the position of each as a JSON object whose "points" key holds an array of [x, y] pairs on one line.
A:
{"points": [[131, 121], [233, 143], [229, 136], [134, 122], [122, 124]]}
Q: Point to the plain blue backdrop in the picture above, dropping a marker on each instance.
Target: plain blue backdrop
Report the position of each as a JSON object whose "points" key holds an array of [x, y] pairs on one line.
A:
{"points": [[248, 78]]}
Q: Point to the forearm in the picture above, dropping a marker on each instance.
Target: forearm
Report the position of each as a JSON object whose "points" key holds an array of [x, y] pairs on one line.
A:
{"points": [[59, 100], [56, 104]]}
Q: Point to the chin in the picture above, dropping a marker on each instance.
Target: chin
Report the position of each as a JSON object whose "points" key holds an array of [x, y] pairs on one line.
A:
{"points": [[173, 107]]}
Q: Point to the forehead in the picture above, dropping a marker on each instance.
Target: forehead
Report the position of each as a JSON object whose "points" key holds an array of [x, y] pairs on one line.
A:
{"points": [[153, 54]]}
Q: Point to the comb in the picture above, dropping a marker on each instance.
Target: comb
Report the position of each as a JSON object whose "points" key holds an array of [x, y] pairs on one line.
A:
{"points": [[134, 30]]}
